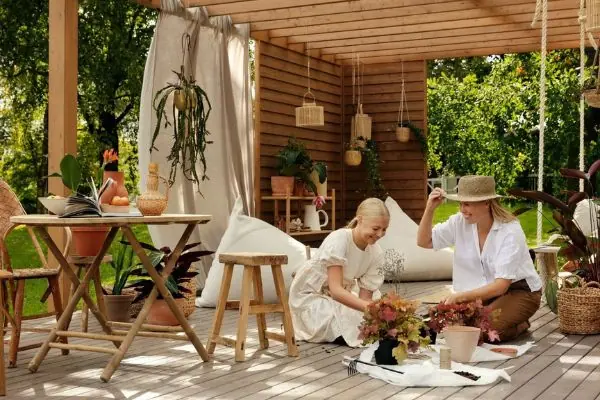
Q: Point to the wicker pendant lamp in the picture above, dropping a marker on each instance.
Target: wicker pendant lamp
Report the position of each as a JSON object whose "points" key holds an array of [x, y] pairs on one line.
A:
{"points": [[361, 123], [309, 114]]}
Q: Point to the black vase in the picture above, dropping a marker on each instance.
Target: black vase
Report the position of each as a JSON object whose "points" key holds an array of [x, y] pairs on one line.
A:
{"points": [[383, 354], [427, 332]]}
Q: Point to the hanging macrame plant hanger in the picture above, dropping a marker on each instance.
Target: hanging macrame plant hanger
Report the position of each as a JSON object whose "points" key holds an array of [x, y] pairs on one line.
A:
{"points": [[309, 114], [360, 126], [402, 128]]}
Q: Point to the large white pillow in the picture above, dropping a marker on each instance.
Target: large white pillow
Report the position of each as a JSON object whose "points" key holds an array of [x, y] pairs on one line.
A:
{"points": [[419, 264], [247, 234]]}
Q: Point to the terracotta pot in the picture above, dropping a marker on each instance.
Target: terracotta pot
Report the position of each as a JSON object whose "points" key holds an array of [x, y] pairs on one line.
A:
{"points": [[88, 240], [117, 306], [352, 157], [462, 341], [321, 187], [403, 134], [161, 314], [282, 185], [300, 189], [117, 189]]}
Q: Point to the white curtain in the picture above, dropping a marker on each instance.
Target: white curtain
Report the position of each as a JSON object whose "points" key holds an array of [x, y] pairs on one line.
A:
{"points": [[218, 61]]}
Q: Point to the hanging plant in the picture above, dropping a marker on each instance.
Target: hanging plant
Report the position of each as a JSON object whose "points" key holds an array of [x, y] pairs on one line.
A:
{"points": [[372, 163], [187, 117], [418, 132]]}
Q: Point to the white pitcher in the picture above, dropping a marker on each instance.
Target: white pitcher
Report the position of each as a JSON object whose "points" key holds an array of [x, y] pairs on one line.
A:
{"points": [[311, 218]]}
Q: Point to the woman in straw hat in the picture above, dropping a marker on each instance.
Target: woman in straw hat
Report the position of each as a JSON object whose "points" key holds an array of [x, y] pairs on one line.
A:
{"points": [[491, 257], [331, 291]]}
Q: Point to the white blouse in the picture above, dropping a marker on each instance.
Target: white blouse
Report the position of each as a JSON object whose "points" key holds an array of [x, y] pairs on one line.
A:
{"points": [[504, 255]]}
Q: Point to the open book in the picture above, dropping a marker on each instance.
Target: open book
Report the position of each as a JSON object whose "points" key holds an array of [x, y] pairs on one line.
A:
{"points": [[79, 205]]}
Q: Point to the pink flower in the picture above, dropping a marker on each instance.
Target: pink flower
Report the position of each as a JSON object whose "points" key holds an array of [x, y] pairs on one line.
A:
{"points": [[387, 314], [493, 336]]}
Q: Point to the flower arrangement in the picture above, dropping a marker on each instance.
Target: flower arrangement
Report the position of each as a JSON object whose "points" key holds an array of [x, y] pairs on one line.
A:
{"points": [[319, 201], [473, 314], [393, 318]]}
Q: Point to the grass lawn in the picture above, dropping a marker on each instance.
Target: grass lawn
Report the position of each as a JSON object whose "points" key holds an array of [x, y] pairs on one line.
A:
{"points": [[23, 255]]}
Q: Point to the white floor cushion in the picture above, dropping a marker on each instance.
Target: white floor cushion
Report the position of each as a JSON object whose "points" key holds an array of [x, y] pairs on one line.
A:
{"points": [[419, 264], [252, 235]]}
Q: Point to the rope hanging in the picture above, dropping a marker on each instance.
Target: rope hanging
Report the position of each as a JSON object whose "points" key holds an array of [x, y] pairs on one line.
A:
{"points": [[541, 6], [582, 19]]}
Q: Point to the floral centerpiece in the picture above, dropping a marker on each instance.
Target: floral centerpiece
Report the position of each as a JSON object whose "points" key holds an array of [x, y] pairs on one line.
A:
{"points": [[392, 321], [473, 314]]}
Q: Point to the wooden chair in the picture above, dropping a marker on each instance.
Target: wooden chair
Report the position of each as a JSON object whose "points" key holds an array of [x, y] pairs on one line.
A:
{"points": [[10, 206], [252, 263]]}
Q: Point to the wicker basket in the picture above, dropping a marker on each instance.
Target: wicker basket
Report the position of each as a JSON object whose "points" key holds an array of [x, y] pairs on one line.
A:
{"points": [[592, 97], [190, 298], [579, 309]]}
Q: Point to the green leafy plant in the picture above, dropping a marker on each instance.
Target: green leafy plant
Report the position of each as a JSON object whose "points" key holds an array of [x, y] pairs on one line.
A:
{"points": [[372, 163], [321, 169], [582, 251], [189, 114], [294, 160], [70, 172], [181, 272], [123, 264]]}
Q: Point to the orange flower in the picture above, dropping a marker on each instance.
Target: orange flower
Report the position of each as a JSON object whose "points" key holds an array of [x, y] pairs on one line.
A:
{"points": [[110, 156]]}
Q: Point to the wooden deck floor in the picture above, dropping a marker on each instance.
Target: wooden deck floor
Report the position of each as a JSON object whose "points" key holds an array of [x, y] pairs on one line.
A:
{"points": [[558, 367]]}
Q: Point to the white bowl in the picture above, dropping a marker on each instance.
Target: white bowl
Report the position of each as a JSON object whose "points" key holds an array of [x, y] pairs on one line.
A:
{"points": [[55, 206]]}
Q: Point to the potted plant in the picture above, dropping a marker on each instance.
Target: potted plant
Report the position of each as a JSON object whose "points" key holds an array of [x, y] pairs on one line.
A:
{"points": [[117, 298], [577, 301], [405, 128], [472, 314], [116, 195], [180, 283], [392, 322], [188, 120], [87, 240], [293, 164], [318, 177], [353, 156]]}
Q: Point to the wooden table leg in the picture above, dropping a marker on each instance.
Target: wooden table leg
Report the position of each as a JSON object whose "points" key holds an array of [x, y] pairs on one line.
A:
{"points": [[2, 366], [159, 287], [82, 291]]}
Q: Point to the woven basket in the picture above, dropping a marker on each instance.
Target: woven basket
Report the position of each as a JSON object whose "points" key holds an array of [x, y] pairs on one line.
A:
{"points": [[579, 309], [190, 298], [592, 97]]}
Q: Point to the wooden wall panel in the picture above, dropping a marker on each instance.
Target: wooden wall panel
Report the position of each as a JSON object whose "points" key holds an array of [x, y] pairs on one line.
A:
{"points": [[283, 82], [403, 168]]}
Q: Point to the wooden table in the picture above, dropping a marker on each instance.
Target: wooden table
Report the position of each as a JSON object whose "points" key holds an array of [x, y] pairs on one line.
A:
{"points": [[122, 339]]}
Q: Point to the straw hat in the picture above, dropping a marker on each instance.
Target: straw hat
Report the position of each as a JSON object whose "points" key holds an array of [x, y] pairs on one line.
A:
{"points": [[475, 188]]}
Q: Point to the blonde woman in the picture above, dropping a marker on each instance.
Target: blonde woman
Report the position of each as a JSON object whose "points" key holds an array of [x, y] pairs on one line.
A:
{"points": [[331, 290], [491, 257]]}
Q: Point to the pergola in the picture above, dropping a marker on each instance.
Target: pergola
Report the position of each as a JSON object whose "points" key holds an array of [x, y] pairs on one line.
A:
{"points": [[389, 35]]}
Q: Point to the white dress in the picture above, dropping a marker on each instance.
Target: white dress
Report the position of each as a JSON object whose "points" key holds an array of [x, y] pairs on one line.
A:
{"points": [[319, 318]]}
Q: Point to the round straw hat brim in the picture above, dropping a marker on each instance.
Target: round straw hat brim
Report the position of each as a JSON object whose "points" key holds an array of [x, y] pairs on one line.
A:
{"points": [[456, 197]]}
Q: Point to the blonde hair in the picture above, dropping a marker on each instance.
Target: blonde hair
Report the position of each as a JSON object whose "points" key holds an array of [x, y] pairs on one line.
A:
{"points": [[371, 207], [500, 213]]}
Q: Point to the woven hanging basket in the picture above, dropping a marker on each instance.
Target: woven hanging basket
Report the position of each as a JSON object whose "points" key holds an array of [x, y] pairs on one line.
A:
{"points": [[361, 124], [579, 309], [310, 114], [352, 157], [592, 97], [592, 15], [403, 134]]}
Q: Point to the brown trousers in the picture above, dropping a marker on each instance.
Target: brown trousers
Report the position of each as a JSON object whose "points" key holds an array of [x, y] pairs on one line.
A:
{"points": [[517, 305]]}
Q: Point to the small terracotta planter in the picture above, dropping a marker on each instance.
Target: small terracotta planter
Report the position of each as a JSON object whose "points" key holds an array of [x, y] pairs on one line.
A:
{"points": [[117, 306], [462, 341], [161, 314], [88, 240], [282, 185]]}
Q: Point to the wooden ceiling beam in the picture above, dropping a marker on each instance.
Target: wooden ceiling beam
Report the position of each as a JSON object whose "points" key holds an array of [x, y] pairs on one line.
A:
{"points": [[448, 33], [418, 27], [460, 53], [426, 21], [450, 8], [566, 31], [532, 44]]}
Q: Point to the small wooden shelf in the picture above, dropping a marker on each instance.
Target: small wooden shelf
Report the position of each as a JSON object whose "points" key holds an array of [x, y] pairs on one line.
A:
{"points": [[307, 233], [296, 202]]}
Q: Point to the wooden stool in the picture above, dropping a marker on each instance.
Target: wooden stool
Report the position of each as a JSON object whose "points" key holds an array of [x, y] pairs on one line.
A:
{"points": [[252, 263]]}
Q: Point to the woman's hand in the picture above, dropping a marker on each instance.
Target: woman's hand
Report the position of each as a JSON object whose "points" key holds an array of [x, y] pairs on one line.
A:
{"points": [[455, 298], [436, 197]]}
